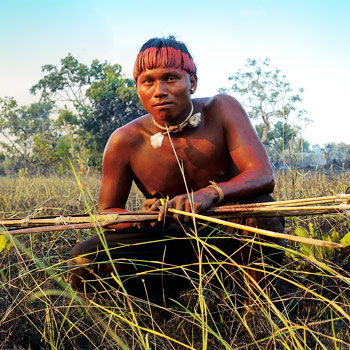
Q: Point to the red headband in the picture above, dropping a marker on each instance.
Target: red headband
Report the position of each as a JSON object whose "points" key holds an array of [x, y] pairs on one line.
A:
{"points": [[164, 57]]}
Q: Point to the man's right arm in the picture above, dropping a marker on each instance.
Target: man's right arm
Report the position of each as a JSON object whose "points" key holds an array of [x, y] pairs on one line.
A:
{"points": [[116, 175]]}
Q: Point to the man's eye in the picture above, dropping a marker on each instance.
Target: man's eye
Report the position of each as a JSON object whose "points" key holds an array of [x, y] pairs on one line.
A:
{"points": [[172, 78]]}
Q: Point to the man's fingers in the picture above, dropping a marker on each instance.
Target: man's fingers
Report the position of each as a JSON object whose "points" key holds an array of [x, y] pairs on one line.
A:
{"points": [[148, 203], [155, 206], [187, 208], [152, 204], [162, 212], [178, 203]]}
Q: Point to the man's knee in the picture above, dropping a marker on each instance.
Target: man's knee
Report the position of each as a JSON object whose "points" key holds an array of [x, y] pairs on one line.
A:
{"points": [[80, 268], [76, 251]]}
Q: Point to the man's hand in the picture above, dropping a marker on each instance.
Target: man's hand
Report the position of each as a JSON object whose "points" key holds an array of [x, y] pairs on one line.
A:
{"points": [[152, 204], [200, 201], [197, 202]]}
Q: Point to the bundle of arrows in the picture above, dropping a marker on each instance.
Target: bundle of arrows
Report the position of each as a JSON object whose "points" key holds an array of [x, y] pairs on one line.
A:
{"points": [[336, 204]]}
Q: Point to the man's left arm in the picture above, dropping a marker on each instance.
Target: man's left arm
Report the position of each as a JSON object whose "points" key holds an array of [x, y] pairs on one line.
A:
{"points": [[247, 153]]}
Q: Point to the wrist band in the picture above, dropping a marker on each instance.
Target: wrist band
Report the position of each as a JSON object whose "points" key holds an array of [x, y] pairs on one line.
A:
{"points": [[214, 185]]}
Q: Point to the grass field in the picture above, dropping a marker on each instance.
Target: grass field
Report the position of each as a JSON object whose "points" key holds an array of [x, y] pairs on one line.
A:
{"points": [[307, 306]]}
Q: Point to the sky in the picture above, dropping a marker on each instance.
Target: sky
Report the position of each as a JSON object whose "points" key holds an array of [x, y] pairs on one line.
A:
{"points": [[308, 40]]}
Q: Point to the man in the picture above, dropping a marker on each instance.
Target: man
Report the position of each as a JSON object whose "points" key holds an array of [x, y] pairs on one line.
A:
{"points": [[196, 152]]}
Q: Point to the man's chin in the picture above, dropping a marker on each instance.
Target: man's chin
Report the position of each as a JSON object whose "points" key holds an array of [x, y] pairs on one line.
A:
{"points": [[163, 115]]}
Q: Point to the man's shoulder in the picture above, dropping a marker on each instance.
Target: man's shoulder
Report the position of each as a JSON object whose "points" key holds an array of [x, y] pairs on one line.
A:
{"points": [[222, 107], [220, 100], [129, 133]]}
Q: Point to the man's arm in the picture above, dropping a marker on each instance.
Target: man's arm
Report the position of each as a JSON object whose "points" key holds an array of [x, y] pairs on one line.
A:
{"points": [[116, 176], [247, 152]]}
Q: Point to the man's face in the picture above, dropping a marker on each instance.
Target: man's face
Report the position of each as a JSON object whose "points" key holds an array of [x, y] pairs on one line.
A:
{"points": [[166, 93]]}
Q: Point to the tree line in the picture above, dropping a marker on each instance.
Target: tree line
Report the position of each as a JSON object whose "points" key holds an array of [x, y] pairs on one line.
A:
{"points": [[80, 105]]}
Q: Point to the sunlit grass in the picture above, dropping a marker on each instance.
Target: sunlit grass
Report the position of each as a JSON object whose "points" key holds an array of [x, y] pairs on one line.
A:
{"points": [[303, 308]]}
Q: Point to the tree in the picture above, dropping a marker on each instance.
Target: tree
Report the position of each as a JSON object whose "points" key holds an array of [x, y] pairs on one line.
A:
{"points": [[283, 143], [267, 95], [79, 107], [99, 96], [114, 103], [337, 154], [315, 158], [30, 135], [69, 83]]}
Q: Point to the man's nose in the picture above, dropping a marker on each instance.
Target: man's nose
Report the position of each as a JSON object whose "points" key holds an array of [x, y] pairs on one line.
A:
{"points": [[160, 89]]}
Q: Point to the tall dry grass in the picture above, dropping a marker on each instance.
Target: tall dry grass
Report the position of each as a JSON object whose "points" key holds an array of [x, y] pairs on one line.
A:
{"points": [[305, 307]]}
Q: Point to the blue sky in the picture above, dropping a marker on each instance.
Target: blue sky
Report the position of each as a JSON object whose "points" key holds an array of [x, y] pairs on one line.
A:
{"points": [[308, 40]]}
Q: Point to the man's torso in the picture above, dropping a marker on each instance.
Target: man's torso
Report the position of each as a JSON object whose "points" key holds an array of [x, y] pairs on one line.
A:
{"points": [[202, 152]]}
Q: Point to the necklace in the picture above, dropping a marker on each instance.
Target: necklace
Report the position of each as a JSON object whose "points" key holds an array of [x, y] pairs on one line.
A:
{"points": [[191, 121]]}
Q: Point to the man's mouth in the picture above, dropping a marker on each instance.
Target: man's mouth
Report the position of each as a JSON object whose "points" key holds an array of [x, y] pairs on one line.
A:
{"points": [[162, 104]]}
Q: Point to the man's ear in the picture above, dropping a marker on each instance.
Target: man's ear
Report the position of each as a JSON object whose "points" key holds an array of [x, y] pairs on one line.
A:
{"points": [[137, 90], [193, 83]]}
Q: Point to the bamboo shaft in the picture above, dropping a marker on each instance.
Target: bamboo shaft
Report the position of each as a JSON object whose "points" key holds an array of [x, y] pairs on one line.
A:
{"points": [[325, 208], [59, 220], [295, 207], [302, 201], [86, 225], [276, 212], [282, 204], [298, 202], [126, 218], [225, 211], [70, 220], [175, 211], [258, 230], [340, 196], [59, 228]]}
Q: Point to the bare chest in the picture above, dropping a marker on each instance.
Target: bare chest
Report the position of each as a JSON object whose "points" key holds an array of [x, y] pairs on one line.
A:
{"points": [[195, 159]]}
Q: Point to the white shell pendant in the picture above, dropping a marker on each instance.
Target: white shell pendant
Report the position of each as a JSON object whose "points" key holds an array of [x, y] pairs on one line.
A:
{"points": [[157, 140], [194, 120]]}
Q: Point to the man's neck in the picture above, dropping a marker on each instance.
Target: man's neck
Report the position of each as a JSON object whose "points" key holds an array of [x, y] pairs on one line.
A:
{"points": [[164, 125]]}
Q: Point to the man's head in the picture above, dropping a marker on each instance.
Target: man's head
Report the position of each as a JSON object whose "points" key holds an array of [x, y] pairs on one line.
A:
{"points": [[164, 53]]}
